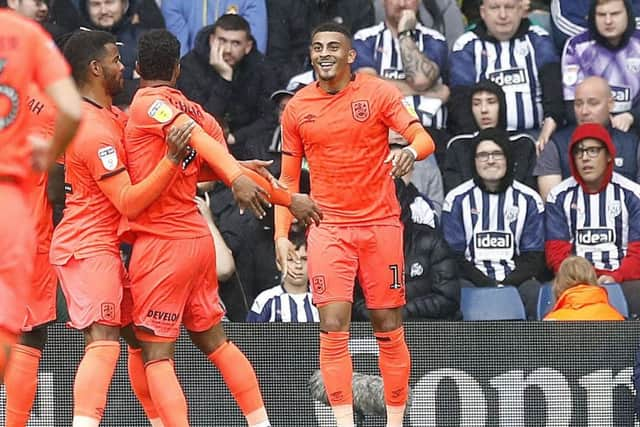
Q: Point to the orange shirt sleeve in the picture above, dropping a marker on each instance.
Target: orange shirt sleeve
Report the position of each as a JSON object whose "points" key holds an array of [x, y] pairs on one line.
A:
{"points": [[289, 176], [132, 200], [291, 140], [103, 155]]}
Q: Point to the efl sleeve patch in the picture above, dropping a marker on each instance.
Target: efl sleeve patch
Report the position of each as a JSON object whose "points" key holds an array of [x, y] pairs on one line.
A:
{"points": [[108, 157], [160, 111]]}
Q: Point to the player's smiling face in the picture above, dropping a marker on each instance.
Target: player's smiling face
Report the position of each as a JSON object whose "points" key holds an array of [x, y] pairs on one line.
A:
{"points": [[331, 56]]}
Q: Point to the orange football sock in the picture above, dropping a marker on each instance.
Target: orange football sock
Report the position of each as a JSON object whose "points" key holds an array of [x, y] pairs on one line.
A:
{"points": [[166, 393], [337, 373], [395, 367], [7, 340], [92, 381], [138, 380], [21, 382], [241, 380]]}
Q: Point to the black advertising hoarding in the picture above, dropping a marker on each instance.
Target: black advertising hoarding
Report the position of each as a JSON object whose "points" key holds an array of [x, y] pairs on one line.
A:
{"points": [[463, 374]]}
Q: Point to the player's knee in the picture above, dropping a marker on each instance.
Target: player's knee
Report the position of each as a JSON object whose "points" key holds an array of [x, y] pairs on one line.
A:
{"points": [[36, 338], [386, 320], [334, 324], [210, 340], [98, 332], [152, 351]]}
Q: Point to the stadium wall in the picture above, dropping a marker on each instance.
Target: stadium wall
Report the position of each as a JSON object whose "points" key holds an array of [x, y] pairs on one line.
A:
{"points": [[464, 374]]}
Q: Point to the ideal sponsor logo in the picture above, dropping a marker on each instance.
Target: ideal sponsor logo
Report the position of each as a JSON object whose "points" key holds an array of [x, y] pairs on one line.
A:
{"points": [[595, 236], [621, 93], [510, 77], [493, 240], [393, 74]]}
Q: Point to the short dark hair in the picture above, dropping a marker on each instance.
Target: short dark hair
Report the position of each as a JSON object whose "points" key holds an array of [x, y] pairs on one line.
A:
{"points": [[82, 47], [331, 27], [158, 54], [232, 22]]}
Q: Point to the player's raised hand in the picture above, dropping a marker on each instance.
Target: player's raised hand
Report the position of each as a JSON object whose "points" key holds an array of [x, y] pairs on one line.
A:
{"points": [[250, 195], [178, 139], [284, 251], [401, 162], [260, 166], [305, 209]]}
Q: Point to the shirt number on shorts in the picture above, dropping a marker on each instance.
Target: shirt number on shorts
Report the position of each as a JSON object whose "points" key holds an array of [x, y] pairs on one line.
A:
{"points": [[14, 101], [395, 272]]}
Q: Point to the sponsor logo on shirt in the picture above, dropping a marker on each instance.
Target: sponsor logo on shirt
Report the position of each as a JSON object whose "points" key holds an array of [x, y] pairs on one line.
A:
{"points": [[509, 77], [164, 316], [493, 240], [594, 236], [621, 93], [393, 74], [309, 118]]}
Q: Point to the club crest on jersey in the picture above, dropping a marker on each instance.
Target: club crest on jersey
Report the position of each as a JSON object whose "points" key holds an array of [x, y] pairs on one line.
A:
{"points": [[633, 65], [614, 208], [360, 110], [108, 157], [618, 161], [595, 236], [160, 111], [511, 214]]}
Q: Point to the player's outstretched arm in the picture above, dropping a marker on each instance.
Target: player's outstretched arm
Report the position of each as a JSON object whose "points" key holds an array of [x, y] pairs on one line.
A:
{"points": [[131, 200]]}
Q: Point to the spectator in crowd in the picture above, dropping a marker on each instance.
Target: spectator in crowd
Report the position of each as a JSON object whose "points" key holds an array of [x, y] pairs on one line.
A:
{"points": [[593, 104], [114, 16], [610, 48], [570, 18], [227, 76], [488, 108], [185, 18], [595, 213], [443, 16], [38, 10], [506, 48], [430, 269], [290, 22], [66, 13], [412, 57], [578, 295], [494, 224], [289, 301]]}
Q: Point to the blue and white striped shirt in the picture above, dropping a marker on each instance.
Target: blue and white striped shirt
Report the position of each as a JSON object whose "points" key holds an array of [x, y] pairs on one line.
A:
{"points": [[512, 64], [490, 229], [377, 48], [599, 226], [276, 305]]}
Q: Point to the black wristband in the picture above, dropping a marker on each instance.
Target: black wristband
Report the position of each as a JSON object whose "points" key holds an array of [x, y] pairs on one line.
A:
{"points": [[405, 33]]}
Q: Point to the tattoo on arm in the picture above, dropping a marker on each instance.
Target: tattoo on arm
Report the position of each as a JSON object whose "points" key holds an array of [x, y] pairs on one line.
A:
{"points": [[417, 67]]}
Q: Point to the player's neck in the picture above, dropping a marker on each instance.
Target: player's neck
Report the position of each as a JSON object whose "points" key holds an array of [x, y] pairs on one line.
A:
{"points": [[336, 84], [155, 83], [97, 95]]}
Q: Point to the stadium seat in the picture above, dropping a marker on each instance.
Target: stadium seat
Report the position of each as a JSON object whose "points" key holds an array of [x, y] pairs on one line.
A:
{"points": [[617, 298], [546, 300], [493, 303]]}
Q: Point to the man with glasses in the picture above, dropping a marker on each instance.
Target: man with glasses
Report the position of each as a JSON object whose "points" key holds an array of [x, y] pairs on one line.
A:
{"points": [[494, 223], [595, 213]]}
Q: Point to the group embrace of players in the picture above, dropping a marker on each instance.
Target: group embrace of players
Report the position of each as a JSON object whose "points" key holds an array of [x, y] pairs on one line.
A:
{"points": [[132, 177]]}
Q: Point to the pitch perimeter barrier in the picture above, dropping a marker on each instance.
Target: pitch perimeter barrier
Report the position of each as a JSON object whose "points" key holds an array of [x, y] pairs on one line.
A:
{"points": [[498, 374]]}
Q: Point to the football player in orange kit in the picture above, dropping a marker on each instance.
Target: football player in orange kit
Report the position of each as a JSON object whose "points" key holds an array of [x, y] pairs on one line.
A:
{"points": [[173, 274], [85, 245], [24, 47], [340, 124]]}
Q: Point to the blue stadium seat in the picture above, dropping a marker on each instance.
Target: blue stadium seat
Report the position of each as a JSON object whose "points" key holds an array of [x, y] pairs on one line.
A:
{"points": [[546, 300], [617, 298], [493, 303]]}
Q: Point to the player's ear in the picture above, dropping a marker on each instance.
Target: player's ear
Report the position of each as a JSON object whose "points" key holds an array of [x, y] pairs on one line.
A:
{"points": [[95, 67], [351, 55]]}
